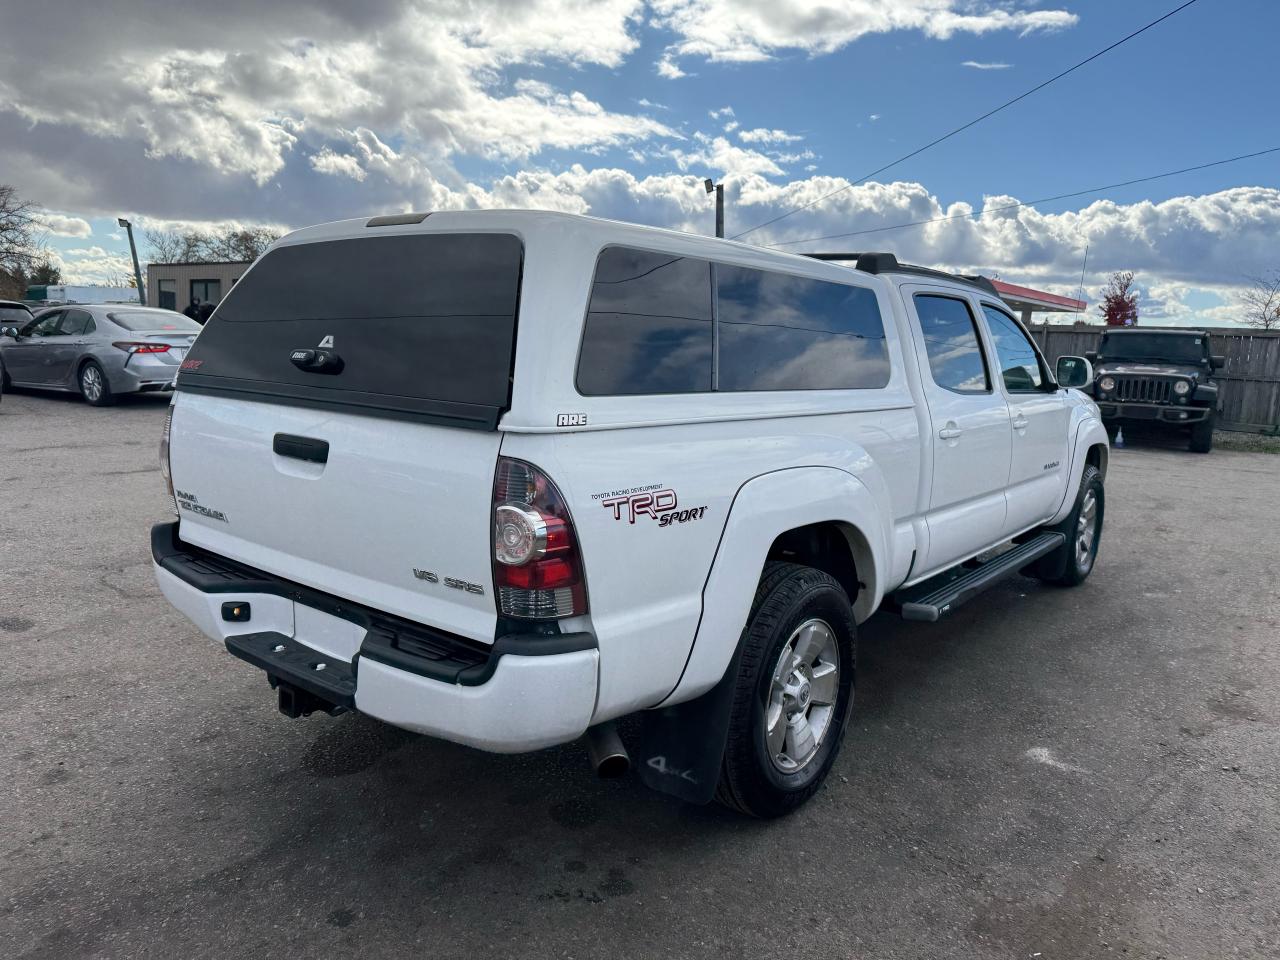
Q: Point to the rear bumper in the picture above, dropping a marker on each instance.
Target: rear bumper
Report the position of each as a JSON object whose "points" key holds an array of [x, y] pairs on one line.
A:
{"points": [[140, 372], [1153, 412], [524, 693]]}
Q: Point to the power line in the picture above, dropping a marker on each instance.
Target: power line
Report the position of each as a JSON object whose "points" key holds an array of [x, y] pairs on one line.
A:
{"points": [[1027, 203], [960, 129]]}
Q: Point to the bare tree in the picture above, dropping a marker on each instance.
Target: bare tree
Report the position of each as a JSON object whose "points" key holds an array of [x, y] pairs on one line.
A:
{"points": [[204, 246], [1262, 302], [20, 244]]}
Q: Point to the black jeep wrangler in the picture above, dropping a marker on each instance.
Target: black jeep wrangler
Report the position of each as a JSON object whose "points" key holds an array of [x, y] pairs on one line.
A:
{"points": [[1158, 379]]}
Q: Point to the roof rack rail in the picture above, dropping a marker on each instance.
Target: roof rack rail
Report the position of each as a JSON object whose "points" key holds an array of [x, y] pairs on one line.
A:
{"points": [[888, 263]]}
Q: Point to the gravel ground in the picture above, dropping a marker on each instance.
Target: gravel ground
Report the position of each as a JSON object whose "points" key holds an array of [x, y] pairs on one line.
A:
{"points": [[1048, 773]]}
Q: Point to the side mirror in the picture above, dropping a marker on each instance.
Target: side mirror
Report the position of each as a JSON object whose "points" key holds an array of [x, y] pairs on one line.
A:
{"points": [[1217, 361], [9, 332], [1091, 356], [1074, 372]]}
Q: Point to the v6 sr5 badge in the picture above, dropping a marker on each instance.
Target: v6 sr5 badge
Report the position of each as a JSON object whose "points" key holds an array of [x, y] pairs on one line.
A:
{"points": [[659, 505]]}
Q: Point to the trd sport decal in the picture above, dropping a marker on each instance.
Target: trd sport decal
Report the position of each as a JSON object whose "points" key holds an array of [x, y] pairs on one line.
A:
{"points": [[655, 502]]}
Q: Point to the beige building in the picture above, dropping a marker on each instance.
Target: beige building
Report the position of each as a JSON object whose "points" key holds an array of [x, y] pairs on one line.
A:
{"points": [[172, 285]]}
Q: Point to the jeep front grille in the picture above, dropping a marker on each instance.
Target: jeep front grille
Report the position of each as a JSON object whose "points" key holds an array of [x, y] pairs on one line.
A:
{"points": [[1143, 389]]}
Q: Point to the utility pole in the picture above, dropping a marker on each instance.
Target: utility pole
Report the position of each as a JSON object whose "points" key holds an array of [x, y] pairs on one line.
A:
{"points": [[137, 270], [718, 190]]}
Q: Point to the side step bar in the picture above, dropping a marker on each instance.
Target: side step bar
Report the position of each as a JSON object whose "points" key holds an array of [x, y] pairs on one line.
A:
{"points": [[928, 601]]}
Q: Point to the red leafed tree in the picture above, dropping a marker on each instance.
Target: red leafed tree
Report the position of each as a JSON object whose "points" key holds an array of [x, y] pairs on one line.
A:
{"points": [[1120, 302]]}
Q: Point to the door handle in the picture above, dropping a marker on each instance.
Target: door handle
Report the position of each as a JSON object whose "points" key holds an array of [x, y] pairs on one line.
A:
{"points": [[950, 432], [1020, 422], [301, 448]]}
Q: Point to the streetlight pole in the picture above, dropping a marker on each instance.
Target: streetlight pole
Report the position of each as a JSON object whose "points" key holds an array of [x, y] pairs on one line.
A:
{"points": [[718, 190], [137, 270]]}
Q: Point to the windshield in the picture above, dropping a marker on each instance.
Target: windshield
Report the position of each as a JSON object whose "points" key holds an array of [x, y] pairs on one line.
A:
{"points": [[12, 315], [1168, 347], [145, 320]]}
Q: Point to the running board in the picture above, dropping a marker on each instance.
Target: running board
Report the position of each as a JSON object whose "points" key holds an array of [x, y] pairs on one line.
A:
{"points": [[928, 601]]}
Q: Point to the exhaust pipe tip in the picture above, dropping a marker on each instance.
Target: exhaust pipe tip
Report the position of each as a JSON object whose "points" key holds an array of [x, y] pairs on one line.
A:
{"points": [[608, 756]]}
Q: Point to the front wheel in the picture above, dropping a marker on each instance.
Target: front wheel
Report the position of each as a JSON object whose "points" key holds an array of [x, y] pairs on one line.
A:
{"points": [[1070, 564], [1202, 435], [94, 386], [793, 692]]}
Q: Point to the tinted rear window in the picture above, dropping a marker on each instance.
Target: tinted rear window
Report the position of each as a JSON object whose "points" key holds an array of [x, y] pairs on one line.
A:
{"points": [[782, 332], [654, 327], [424, 326], [144, 320], [14, 315], [648, 325]]}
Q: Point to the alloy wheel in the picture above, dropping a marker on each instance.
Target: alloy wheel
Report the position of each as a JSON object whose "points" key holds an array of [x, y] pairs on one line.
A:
{"points": [[91, 383], [1086, 530], [802, 695]]}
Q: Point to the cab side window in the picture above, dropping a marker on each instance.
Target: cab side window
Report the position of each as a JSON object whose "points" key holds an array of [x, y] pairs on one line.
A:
{"points": [[1019, 362], [44, 326], [76, 323], [952, 345]]}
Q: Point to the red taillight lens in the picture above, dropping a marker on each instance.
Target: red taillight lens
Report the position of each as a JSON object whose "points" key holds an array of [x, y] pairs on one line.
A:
{"points": [[165, 470], [130, 347], [537, 567]]}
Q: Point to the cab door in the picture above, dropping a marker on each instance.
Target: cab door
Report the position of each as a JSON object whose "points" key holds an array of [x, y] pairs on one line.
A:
{"points": [[1039, 417], [65, 347], [26, 359], [971, 435]]}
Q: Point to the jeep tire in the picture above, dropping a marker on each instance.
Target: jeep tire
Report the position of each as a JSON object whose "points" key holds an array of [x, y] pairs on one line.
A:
{"points": [[793, 692], [1202, 435]]}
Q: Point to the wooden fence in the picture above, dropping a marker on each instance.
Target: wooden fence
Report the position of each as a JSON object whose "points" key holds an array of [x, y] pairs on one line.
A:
{"points": [[1250, 381]]}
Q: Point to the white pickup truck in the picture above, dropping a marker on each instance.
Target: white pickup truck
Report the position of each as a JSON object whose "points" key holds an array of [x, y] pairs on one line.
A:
{"points": [[506, 477]]}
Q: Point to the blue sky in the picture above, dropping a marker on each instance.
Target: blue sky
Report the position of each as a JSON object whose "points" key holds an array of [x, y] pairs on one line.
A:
{"points": [[617, 108]]}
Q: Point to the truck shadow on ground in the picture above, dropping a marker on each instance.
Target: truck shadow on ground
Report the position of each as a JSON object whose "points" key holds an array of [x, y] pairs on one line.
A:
{"points": [[420, 817]]}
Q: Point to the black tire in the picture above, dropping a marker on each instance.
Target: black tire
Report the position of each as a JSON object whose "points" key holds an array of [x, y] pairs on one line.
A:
{"points": [[102, 396], [788, 596], [1068, 566], [5, 382], [1202, 435]]}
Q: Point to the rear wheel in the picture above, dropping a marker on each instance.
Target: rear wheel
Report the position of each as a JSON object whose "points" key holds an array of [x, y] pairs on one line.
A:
{"points": [[94, 386], [793, 693], [1202, 435]]}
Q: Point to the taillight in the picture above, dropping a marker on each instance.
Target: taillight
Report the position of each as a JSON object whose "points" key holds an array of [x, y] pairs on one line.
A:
{"points": [[165, 470], [537, 567], [130, 347]]}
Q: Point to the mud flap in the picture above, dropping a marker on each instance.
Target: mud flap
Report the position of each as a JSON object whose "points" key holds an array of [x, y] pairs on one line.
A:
{"points": [[679, 749]]}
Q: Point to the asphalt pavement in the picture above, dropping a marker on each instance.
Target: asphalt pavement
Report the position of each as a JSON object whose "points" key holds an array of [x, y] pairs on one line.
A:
{"points": [[1048, 773]]}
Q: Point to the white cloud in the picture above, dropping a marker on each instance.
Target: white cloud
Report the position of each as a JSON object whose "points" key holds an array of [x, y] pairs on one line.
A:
{"points": [[429, 71], [722, 112], [978, 65], [650, 105], [717, 155], [745, 31], [669, 69], [763, 135], [338, 164], [874, 117], [64, 226]]}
